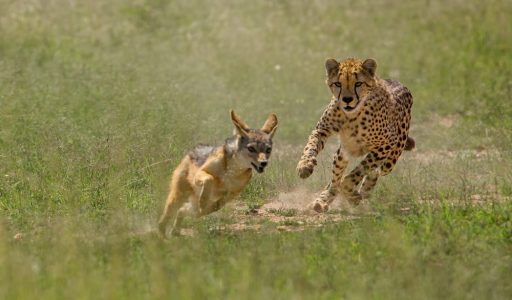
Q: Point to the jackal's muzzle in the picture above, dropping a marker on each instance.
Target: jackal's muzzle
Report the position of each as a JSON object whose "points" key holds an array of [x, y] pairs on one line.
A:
{"points": [[260, 166]]}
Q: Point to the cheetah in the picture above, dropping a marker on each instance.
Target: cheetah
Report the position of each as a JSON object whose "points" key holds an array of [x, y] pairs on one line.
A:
{"points": [[371, 117]]}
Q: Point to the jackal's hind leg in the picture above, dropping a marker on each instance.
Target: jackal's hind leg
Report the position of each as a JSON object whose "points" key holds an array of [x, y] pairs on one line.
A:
{"points": [[188, 210], [174, 201]]}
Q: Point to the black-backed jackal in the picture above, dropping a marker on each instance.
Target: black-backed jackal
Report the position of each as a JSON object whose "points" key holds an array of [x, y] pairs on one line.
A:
{"points": [[208, 177]]}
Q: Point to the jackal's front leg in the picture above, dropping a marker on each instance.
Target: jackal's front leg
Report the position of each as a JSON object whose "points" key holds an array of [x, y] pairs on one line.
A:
{"points": [[205, 182], [215, 206]]}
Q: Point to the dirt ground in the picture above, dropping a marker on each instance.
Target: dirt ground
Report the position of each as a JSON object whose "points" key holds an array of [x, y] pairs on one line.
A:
{"points": [[288, 211]]}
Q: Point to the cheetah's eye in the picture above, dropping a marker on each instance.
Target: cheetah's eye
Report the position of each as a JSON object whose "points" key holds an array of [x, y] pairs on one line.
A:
{"points": [[251, 149], [337, 84], [359, 83], [268, 150]]}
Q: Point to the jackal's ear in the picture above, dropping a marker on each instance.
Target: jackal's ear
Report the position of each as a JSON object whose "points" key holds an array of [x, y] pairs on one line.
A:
{"points": [[270, 125], [240, 126], [370, 66]]}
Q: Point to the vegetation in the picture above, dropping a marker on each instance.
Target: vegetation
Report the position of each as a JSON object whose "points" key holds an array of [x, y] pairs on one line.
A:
{"points": [[99, 100]]}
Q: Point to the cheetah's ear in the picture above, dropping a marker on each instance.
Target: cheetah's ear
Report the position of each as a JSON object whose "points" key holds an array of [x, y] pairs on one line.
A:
{"points": [[370, 65], [331, 66], [270, 125], [240, 127]]}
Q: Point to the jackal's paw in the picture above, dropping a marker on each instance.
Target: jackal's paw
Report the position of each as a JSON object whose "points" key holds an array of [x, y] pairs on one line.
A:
{"points": [[305, 167], [175, 232], [161, 231], [161, 235], [319, 206]]}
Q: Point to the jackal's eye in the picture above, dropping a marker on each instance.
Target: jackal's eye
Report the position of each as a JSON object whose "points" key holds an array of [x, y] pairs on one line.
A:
{"points": [[251, 149], [359, 83], [268, 150], [337, 84]]}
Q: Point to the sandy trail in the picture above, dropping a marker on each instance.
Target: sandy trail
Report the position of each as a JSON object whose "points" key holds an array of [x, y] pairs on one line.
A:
{"points": [[289, 211]]}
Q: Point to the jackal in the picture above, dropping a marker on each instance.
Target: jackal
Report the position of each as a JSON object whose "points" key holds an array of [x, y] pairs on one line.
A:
{"points": [[208, 177]]}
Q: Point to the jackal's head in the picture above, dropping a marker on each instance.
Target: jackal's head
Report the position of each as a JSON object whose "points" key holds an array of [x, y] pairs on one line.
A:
{"points": [[255, 145]]}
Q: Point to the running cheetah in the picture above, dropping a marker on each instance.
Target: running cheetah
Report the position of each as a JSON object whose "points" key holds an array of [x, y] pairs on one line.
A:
{"points": [[371, 117]]}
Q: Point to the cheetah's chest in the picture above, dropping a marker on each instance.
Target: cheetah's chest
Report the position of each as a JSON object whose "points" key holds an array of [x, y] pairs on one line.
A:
{"points": [[352, 141]]}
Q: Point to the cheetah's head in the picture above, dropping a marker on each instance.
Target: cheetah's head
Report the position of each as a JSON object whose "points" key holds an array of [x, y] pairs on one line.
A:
{"points": [[350, 81]]}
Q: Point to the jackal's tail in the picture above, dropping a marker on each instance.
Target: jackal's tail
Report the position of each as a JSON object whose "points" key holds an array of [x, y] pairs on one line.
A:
{"points": [[409, 144]]}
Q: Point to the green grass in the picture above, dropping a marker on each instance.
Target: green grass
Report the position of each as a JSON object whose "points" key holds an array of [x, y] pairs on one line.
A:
{"points": [[99, 100]]}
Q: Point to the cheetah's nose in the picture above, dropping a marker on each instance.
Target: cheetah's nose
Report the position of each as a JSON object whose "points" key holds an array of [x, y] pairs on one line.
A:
{"points": [[347, 99]]}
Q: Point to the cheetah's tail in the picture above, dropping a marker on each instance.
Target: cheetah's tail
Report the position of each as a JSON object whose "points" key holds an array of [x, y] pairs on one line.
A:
{"points": [[409, 144]]}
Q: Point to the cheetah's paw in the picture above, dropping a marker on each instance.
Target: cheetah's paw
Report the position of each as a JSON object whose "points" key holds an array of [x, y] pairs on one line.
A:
{"points": [[305, 168], [319, 206]]}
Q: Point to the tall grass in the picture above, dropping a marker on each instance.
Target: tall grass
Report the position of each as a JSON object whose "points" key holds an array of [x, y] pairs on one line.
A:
{"points": [[99, 100]]}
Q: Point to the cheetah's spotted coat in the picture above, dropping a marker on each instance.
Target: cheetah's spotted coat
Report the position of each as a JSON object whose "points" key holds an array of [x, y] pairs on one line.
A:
{"points": [[371, 117]]}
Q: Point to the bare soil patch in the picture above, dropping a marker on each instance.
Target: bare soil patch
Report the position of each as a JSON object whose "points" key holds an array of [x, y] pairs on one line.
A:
{"points": [[290, 211]]}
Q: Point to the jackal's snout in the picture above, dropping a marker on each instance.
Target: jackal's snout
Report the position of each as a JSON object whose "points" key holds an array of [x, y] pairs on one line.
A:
{"points": [[261, 163]]}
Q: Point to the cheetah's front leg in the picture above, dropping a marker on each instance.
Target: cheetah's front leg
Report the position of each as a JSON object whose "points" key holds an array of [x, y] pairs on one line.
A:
{"points": [[340, 162], [316, 142]]}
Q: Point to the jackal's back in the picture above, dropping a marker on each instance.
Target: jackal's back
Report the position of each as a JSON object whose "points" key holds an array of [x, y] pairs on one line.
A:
{"points": [[200, 153]]}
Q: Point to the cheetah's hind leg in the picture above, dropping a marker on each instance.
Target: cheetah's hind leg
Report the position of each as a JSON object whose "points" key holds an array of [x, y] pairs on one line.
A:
{"points": [[361, 180]]}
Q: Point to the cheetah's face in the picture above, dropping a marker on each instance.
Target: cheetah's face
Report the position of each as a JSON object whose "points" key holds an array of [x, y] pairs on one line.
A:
{"points": [[350, 81]]}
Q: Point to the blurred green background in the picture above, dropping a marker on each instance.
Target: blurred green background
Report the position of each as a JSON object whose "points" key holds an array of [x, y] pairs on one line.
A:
{"points": [[99, 100]]}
